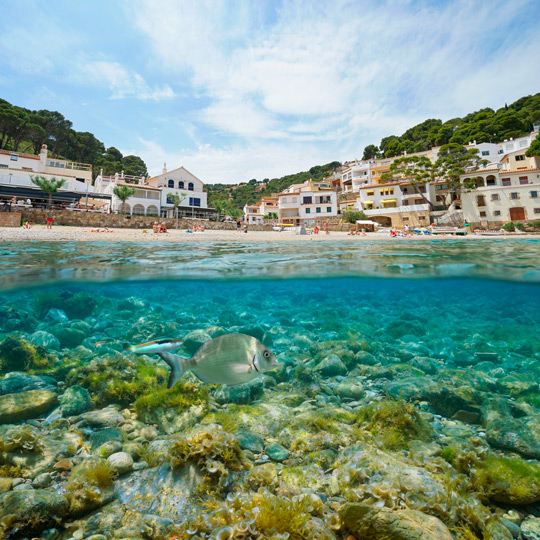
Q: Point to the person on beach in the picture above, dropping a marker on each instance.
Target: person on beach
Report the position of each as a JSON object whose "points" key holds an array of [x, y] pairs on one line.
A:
{"points": [[163, 228], [238, 225], [326, 227], [155, 227], [50, 218]]}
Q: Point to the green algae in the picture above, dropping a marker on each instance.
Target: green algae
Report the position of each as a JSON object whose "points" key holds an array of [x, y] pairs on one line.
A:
{"points": [[16, 354], [394, 423], [74, 305]]}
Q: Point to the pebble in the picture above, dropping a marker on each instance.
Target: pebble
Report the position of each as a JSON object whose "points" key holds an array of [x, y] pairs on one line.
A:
{"points": [[149, 433], [121, 461], [530, 529]]}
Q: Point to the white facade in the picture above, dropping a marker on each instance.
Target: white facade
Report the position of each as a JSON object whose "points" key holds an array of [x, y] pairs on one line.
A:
{"points": [[15, 162], [357, 175], [186, 185], [510, 192], [308, 201]]}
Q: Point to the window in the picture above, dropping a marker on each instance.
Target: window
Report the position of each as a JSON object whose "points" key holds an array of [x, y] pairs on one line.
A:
{"points": [[308, 210], [490, 181], [537, 210], [534, 194], [494, 196], [2, 166], [522, 144], [181, 184], [482, 214], [170, 183], [506, 182], [194, 201], [318, 210], [481, 200], [14, 157], [328, 208], [404, 190], [520, 158], [308, 200], [514, 195], [523, 180], [422, 218], [485, 152], [190, 186], [170, 199], [497, 213]]}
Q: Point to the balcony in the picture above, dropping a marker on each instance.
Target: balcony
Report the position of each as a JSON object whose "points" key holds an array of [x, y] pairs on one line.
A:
{"points": [[397, 210]]}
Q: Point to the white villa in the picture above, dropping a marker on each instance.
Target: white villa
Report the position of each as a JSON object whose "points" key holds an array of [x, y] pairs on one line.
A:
{"points": [[186, 185]]}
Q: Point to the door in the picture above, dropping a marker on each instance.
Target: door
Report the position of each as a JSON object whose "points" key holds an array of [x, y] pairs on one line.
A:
{"points": [[517, 214]]}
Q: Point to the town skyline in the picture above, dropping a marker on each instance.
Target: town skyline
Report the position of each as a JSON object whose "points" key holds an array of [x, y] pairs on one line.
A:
{"points": [[236, 92]]}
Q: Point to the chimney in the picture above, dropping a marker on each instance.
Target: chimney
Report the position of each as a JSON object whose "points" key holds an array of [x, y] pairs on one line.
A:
{"points": [[164, 168], [474, 142]]}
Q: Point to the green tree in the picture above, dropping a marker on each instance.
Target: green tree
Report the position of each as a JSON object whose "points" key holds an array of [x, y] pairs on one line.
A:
{"points": [[371, 152], [124, 193], [534, 149], [134, 166], [176, 199], [352, 216], [220, 207], [48, 185], [416, 171]]}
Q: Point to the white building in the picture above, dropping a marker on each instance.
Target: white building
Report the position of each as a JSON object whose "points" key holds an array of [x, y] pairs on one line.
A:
{"points": [[145, 201], [356, 175], [309, 201], [186, 185], [510, 192]]}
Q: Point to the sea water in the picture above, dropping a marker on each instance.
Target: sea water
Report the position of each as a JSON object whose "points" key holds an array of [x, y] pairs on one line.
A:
{"points": [[445, 327]]}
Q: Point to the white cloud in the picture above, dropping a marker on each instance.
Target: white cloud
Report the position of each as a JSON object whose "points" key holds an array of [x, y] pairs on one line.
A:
{"points": [[119, 80]]}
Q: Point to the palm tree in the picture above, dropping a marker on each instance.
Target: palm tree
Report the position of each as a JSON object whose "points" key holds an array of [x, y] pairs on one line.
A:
{"points": [[48, 185], [176, 200], [220, 206], [124, 193]]}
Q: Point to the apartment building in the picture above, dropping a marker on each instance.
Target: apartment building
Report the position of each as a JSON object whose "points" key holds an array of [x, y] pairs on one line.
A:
{"points": [[309, 201], [510, 192]]}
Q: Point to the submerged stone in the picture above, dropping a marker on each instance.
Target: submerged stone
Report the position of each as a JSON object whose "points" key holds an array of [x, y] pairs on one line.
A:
{"points": [[250, 441], [44, 339], [530, 529], [16, 382], [331, 366], [75, 400], [25, 405], [276, 452]]}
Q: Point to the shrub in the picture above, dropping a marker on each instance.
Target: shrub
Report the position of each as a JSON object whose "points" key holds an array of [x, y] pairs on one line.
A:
{"points": [[352, 216], [509, 226]]}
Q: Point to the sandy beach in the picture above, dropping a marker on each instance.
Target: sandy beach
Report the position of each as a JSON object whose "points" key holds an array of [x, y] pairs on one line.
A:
{"points": [[81, 234]]}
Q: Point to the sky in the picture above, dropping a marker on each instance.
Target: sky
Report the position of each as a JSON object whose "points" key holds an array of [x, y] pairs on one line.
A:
{"points": [[240, 89]]}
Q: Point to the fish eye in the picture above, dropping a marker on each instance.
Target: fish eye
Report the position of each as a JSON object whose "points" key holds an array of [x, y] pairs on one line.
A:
{"points": [[266, 354]]}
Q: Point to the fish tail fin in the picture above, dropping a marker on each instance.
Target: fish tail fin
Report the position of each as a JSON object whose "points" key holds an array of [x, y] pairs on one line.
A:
{"points": [[129, 347], [177, 365]]}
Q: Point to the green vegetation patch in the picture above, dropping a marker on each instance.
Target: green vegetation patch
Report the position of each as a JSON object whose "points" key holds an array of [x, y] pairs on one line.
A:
{"points": [[395, 423], [17, 354], [74, 305]]}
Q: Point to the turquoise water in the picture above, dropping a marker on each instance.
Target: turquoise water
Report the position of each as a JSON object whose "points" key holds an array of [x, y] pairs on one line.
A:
{"points": [[445, 327]]}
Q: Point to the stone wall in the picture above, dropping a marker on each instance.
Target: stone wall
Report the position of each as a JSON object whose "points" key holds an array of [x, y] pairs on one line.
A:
{"points": [[118, 221], [10, 219]]}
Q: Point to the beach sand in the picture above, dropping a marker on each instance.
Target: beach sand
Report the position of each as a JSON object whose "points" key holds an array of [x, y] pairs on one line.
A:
{"points": [[70, 234]]}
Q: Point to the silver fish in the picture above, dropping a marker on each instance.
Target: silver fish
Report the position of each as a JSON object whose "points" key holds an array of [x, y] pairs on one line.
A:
{"points": [[229, 359]]}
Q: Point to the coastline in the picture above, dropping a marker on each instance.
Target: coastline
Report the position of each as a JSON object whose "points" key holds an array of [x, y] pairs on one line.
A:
{"points": [[83, 234]]}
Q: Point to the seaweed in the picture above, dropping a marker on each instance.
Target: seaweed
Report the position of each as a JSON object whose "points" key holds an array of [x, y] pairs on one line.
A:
{"points": [[17, 354]]}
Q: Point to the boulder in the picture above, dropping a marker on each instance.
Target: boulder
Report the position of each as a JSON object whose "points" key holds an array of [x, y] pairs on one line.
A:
{"points": [[121, 462], [68, 337], [25, 405], [75, 401], [44, 339], [103, 418], [331, 366], [276, 452], [16, 382], [370, 523], [241, 394], [530, 529], [28, 510]]}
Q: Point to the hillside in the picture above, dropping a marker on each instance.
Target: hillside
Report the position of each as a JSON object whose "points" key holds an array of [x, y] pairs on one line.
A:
{"points": [[23, 130]]}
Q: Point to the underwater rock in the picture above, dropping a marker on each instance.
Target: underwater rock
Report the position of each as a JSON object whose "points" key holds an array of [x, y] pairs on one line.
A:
{"points": [[276, 452], [5, 484], [16, 382], [56, 315], [412, 388], [349, 388], [364, 357], [104, 522], [505, 431], [448, 400], [160, 491], [250, 441], [241, 394], [25, 405], [44, 339], [518, 383], [331, 366], [370, 523], [121, 462], [103, 418], [69, 337], [75, 401], [99, 438], [194, 340], [530, 529], [30, 510]]}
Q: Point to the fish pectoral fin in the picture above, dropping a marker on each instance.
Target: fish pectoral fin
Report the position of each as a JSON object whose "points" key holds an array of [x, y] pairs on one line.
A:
{"points": [[240, 368]]}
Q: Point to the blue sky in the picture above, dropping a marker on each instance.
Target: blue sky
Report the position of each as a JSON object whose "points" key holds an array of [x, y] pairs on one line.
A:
{"points": [[235, 90]]}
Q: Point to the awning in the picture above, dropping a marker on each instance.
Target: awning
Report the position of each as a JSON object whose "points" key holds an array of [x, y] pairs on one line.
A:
{"points": [[366, 222], [368, 202], [388, 200]]}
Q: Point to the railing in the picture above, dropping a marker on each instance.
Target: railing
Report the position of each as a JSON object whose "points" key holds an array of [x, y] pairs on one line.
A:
{"points": [[397, 209]]}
